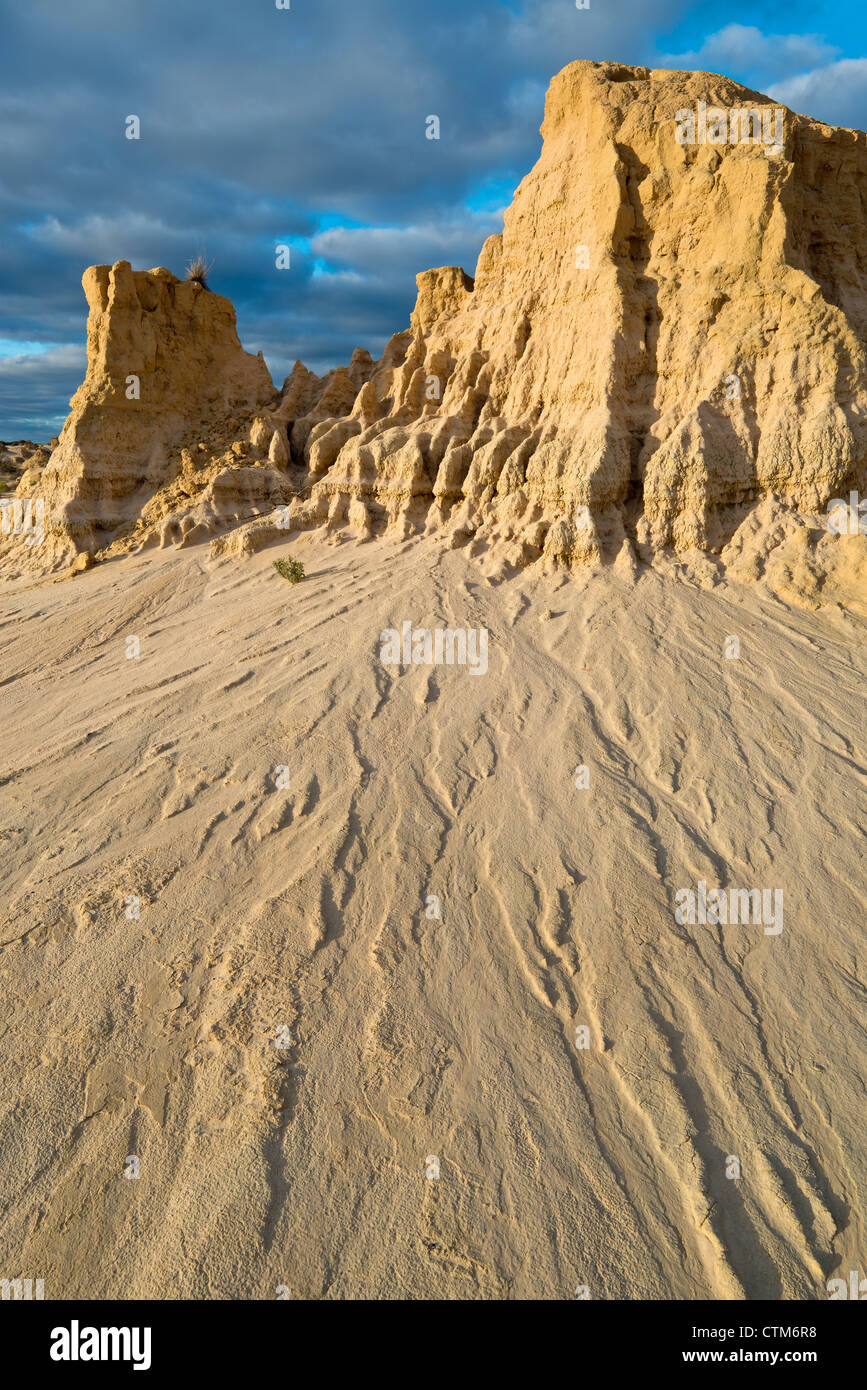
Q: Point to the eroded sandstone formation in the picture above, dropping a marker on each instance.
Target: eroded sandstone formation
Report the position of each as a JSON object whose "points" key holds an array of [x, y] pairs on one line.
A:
{"points": [[164, 367], [664, 336]]}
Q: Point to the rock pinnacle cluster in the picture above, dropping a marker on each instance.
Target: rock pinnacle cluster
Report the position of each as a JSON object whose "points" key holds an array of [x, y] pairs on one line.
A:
{"points": [[667, 337]]}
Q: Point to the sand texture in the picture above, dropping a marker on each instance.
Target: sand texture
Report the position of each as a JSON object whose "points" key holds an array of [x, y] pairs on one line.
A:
{"points": [[284, 1037]]}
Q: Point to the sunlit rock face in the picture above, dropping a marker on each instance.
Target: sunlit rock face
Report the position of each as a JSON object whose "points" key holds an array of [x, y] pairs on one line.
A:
{"points": [[669, 331]]}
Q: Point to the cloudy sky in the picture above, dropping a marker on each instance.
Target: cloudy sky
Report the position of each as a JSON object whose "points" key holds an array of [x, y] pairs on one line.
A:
{"points": [[306, 126]]}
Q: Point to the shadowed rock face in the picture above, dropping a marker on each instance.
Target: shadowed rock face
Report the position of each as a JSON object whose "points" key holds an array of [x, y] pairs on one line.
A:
{"points": [[665, 334]]}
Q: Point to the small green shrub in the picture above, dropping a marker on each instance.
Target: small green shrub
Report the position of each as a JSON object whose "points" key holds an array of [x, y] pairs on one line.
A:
{"points": [[293, 570]]}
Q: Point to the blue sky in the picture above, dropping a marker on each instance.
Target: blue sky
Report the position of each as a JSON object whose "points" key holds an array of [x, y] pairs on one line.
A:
{"points": [[307, 126]]}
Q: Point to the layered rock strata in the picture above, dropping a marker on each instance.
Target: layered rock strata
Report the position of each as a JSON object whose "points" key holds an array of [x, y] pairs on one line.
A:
{"points": [[669, 330]]}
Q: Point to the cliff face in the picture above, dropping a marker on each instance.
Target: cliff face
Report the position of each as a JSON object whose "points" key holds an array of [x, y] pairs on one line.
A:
{"points": [[663, 334], [164, 364], [668, 331]]}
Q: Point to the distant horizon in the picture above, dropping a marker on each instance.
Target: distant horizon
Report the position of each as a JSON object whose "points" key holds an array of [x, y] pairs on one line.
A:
{"points": [[321, 147]]}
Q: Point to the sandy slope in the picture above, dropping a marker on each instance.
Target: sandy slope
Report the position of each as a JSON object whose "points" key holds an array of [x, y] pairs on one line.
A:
{"points": [[304, 909]]}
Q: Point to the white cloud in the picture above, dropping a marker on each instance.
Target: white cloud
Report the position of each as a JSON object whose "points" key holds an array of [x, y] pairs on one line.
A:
{"points": [[801, 71], [836, 93], [97, 237], [743, 46], [63, 357], [455, 240]]}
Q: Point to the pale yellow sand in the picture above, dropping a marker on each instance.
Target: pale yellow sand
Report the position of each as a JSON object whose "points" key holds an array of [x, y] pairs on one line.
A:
{"points": [[298, 915]]}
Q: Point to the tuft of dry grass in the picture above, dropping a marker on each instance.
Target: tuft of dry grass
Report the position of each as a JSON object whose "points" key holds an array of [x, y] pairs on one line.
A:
{"points": [[198, 271]]}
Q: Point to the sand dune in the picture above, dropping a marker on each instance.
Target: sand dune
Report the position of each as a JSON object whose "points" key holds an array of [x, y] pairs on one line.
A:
{"points": [[286, 1035]]}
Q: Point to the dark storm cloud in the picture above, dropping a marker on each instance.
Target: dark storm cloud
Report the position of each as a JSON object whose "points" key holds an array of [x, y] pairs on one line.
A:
{"points": [[261, 126], [35, 390]]}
